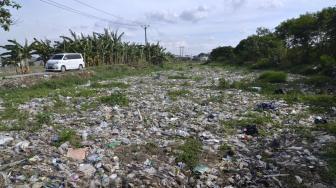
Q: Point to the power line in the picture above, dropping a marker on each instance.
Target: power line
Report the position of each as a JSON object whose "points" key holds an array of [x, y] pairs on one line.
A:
{"points": [[103, 11], [67, 8]]}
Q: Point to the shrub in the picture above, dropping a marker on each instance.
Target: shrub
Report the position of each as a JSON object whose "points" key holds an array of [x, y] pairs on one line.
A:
{"points": [[318, 80], [223, 84], [43, 118], [190, 152], [319, 103], [109, 85], [273, 76], [68, 135], [178, 77], [330, 155], [262, 63], [179, 93], [115, 99]]}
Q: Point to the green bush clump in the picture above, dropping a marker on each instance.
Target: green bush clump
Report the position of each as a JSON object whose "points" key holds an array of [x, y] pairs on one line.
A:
{"points": [[115, 99], [179, 93], [68, 135], [190, 152], [274, 76], [223, 84], [43, 118]]}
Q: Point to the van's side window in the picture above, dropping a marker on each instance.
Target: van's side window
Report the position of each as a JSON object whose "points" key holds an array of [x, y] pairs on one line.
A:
{"points": [[73, 56], [77, 56]]}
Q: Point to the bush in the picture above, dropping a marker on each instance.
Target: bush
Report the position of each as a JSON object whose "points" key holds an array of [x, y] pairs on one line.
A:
{"points": [[273, 76], [262, 63], [179, 93], [115, 99], [43, 118], [68, 135], [319, 80], [223, 84], [190, 152]]}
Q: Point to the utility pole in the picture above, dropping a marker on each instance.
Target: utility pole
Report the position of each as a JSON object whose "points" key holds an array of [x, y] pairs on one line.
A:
{"points": [[145, 27], [181, 51]]}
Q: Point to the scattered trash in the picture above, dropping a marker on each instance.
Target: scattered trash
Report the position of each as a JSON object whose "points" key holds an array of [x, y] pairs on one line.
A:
{"points": [[5, 140], [148, 162], [201, 169], [103, 124], [181, 165], [114, 144], [280, 91], [298, 179], [85, 135], [256, 89], [23, 146], [251, 130], [266, 106], [182, 133], [117, 138], [77, 154], [55, 138], [93, 158], [87, 169], [275, 144], [320, 120]]}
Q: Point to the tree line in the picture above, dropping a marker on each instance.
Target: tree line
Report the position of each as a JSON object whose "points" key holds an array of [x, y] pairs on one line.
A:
{"points": [[306, 44], [97, 49]]}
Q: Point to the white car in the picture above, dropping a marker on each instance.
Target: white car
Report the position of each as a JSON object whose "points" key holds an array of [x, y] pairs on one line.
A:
{"points": [[65, 61]]}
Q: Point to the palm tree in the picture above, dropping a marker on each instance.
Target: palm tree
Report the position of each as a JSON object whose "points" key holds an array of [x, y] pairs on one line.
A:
{"points": [[18, 54]]}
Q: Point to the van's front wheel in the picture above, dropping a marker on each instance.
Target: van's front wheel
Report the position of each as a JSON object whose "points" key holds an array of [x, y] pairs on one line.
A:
{"points": [[63, 69], [80, 67]]}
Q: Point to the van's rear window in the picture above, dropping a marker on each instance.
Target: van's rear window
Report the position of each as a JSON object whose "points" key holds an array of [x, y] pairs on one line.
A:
{"points": [[57, 57]]}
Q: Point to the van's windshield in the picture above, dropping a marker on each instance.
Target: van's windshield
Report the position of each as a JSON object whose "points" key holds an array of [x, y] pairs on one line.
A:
{"points": [[57, 57]]}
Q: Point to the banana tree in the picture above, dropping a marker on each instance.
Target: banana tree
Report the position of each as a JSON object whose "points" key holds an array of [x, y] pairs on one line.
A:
{"points": [[18, 54], [44, 49]]}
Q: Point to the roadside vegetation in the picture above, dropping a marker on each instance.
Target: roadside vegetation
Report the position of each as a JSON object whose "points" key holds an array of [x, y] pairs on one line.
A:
{"points": [[292, 47], [105, 48]]}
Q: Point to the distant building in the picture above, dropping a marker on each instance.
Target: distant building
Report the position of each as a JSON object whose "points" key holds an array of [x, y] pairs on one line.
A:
{"points": [[201, 57]]}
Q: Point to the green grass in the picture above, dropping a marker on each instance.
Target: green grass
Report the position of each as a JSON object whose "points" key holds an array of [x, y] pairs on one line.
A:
{"points": [[260, 120], [24, 123], [330, 127], [319, 81], [223, 84], [197, 78], [178, 93], [110, 85], [224, 149], [190, 152], [66, 85], [43, 118], [273, 76], [329, 154], [115, 99], [89, 105], [317, 103], [178, 77], [68, 135]]}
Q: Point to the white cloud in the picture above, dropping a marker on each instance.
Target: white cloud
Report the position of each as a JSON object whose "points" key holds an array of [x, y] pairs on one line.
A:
{"points": [[267, 4], [194, 15], [163, 16], [189, 15], [237, 3]]}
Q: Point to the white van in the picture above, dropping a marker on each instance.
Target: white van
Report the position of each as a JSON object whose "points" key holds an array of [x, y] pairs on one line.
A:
{"points": [[65, 61]]}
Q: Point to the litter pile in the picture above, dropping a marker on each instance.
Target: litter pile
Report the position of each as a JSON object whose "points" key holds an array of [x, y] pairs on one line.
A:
{"points": [[139, 145]]}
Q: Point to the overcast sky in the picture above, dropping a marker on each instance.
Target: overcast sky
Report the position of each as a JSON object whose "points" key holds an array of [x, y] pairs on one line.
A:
{"points": [[199, 25]]}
